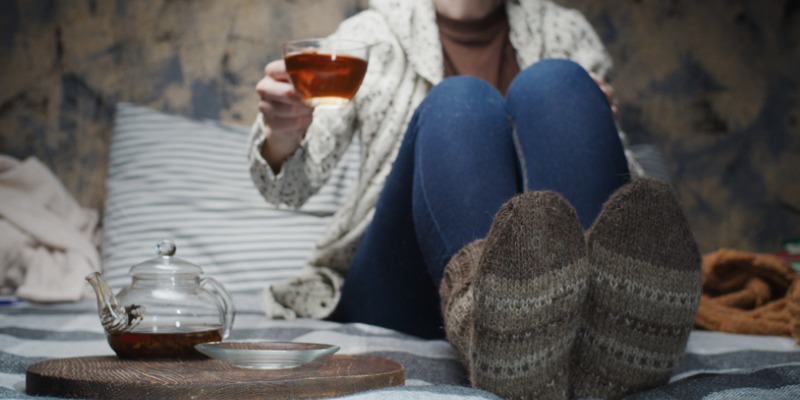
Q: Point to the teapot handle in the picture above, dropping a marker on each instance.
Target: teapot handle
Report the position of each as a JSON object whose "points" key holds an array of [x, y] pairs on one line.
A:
{"points": [[225, 300]]}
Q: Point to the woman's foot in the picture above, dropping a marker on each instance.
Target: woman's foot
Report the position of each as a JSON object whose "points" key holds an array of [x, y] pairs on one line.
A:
{"points": [[529, 288], [643, 293]]}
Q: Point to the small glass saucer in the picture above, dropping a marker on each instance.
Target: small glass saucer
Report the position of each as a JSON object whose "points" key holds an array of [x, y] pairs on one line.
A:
{"points": [[266, 354]]}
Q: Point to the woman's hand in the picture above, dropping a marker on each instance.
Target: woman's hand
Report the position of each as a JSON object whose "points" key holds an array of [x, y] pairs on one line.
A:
{"points": [[608, 90], [286, 115]]}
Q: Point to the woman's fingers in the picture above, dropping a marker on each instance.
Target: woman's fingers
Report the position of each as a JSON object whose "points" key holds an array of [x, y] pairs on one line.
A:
{"points": [[282, 108], [607, 89], [277, 71], [291, 121], [269, 89]]}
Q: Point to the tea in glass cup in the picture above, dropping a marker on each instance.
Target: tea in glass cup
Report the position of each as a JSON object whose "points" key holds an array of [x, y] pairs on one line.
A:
{"points": [[326, 72]]}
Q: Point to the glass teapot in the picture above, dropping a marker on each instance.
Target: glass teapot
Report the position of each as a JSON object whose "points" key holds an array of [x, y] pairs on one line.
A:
{"points": [[168, 308]]}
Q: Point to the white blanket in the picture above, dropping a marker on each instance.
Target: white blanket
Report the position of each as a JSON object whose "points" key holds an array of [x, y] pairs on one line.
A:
{"points": [[48, 242]]}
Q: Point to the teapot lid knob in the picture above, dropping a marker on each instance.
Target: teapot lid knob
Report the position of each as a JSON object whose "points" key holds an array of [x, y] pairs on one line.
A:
{"points": [[165, 264], [166, 248]]}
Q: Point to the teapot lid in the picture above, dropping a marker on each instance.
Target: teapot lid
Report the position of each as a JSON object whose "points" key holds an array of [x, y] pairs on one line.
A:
{"points": [[166, 263]]}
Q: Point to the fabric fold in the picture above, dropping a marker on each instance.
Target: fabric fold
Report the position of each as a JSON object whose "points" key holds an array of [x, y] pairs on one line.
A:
{"points": [[749, 293], [49, 242]]}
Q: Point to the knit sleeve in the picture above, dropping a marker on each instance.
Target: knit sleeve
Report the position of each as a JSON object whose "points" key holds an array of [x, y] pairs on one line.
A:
{"points": [[268, 183], [569, 35], [309, 167]]}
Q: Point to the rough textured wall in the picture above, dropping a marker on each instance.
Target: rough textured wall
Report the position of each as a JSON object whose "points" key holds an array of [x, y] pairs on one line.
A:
{"points": [[66, 63], [715, 84], [712, 82]]}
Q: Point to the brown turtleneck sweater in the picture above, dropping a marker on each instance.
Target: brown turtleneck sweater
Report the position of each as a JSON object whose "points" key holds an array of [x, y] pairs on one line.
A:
{"points": [[479, 48]]}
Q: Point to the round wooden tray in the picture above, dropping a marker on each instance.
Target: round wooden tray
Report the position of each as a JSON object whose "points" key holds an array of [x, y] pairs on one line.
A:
{"points": [[109, 377]]}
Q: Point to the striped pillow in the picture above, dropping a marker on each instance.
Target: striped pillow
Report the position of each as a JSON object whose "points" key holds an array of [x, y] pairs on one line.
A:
{"points": [[652, 161], [172, 177]]}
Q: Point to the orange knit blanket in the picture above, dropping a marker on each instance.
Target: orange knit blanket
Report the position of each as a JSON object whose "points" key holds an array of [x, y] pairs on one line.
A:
{"points": [[749, 293]]}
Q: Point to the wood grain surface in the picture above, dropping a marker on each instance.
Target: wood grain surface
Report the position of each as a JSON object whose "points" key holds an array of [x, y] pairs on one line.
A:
{"points": [[107, 377]]}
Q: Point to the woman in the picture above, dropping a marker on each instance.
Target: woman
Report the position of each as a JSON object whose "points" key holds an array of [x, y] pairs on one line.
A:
{"points": [[439, 159]]}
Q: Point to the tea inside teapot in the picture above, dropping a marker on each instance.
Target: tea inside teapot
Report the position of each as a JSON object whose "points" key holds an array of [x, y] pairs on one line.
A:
{"points": [[161, 345]]}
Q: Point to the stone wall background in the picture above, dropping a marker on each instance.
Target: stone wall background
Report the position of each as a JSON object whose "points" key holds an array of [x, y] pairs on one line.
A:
{"points": [[713, 83]]}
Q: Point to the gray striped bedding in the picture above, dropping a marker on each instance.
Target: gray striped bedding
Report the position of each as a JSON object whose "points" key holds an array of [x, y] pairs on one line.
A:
{"points": [[716, 365], [170, 177]]}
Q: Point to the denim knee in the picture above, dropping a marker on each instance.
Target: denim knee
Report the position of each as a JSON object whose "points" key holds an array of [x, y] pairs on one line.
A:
{"points": [[458, 103], [551, 77], [553, 70], [559, 91], [462, 92]]}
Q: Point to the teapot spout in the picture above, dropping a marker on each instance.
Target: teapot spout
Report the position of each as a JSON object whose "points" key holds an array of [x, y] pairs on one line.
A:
{"points": [[115, 319]]}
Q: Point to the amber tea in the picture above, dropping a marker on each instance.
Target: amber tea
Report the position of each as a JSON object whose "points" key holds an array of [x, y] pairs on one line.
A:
{"points": [[322, 79], [161, 345], [326, 72]]}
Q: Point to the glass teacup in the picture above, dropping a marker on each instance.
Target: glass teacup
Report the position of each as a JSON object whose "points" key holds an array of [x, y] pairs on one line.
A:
{"points": [[326, 72]]}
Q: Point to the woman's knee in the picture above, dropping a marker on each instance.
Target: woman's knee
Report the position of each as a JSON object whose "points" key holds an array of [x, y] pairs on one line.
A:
{"points": [[557, 67], [551, 77], [460, 105], [460, 93], [553, 84]]}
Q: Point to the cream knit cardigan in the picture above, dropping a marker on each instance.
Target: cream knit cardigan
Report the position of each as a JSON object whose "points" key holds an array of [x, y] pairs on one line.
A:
{"points": [[404, 64]]}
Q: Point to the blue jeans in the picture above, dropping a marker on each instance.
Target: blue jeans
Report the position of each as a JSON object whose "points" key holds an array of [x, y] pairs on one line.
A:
{"points": [[468, 150]]}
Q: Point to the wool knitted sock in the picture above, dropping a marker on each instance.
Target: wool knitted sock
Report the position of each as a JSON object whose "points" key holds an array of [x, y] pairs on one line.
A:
{"points": [[455, 292], [528, 291], [643, 293]]}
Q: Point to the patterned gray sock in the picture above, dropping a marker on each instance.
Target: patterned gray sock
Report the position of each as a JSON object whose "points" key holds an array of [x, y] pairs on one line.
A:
{"points": [[528, 291], [457, 300], [643, 293]]}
